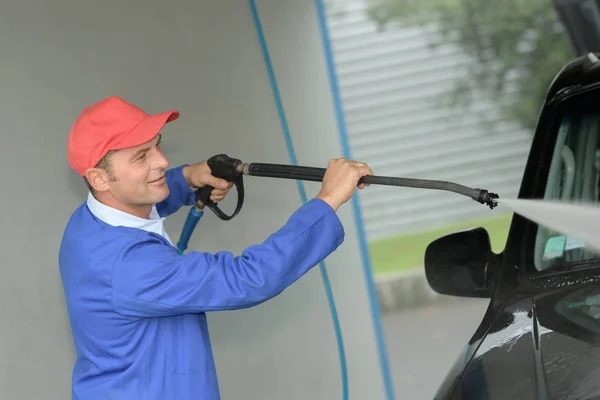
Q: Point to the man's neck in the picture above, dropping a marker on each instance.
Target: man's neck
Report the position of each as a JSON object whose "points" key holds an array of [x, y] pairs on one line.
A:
{"points": [[140, 211]]}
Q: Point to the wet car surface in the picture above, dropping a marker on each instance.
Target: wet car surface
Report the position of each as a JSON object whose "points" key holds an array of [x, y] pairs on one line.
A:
{"points": [[540, 335]]}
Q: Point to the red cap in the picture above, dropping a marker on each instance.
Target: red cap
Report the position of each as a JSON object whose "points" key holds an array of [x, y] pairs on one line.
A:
{"points": [[111, 124]]}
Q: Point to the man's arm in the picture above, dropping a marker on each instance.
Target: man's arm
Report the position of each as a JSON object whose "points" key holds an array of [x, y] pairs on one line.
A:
{"points": [[151, 279], [182, 179], [180, 193]]}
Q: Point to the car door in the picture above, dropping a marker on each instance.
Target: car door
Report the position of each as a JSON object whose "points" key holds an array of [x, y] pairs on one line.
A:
{"points": [[560, 272], [539, 337]]}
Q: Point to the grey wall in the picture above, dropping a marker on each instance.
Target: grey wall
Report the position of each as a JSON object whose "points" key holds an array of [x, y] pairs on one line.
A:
{"points": [[202, 58]]}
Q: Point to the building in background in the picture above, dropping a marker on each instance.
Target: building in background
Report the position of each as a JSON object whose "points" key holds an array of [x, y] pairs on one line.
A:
{"points": [[394, 87], [398, 82]]}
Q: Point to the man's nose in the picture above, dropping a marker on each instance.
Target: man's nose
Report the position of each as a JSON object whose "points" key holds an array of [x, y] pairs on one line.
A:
{"points": [[161, 161]]}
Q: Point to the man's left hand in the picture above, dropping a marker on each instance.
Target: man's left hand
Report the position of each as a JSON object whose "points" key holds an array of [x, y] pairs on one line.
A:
{"points": [[198, 175]]}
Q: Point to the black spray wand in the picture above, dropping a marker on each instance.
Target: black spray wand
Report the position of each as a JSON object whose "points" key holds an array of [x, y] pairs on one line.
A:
{"points": [[233, 170]]}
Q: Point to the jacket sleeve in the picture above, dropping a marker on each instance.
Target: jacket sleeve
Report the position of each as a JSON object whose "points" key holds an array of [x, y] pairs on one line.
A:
{"points": [[151, 279], [180, 193]]}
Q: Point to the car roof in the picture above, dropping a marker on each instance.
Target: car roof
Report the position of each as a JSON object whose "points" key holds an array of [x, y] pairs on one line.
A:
{"points": [[581, 71]]}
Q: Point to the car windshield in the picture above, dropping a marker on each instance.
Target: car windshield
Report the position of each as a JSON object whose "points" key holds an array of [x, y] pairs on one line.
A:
{"points": [[574, 177]]}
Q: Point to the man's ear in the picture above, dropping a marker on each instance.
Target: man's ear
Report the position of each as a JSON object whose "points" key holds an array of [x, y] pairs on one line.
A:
{"points": [[98, 178]]}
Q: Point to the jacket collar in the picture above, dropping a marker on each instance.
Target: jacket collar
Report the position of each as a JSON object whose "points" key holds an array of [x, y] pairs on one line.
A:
{"points": [[115, 217]]}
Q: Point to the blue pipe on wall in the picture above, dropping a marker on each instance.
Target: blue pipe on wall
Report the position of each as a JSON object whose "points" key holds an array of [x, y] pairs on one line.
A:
{"points": [[366, 261], [292, 155], [196, 214]]}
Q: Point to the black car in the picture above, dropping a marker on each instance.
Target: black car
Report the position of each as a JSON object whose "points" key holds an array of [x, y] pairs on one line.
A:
{"points": [[540, 336]]}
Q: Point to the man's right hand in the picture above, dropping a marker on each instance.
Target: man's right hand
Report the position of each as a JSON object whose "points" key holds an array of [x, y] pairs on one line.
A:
{"points": [[341, 180]]}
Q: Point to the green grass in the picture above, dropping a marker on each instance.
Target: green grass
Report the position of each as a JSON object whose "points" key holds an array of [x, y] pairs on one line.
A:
{"points": [[407, 251]]}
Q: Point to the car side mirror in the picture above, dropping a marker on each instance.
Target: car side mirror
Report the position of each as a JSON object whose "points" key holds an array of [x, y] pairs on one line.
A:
{"points": [[462, 264]]}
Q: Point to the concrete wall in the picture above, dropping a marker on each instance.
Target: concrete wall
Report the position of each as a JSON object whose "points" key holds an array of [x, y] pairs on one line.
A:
{"points": [[202, 58]]}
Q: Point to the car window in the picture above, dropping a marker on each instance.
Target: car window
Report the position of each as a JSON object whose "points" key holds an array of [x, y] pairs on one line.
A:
{"points": [[573, 177]]}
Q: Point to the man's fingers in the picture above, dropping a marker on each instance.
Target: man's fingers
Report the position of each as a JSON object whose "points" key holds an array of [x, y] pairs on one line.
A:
{"points": [[217, 183], [370, 173], [363, 170], [218, 194]]}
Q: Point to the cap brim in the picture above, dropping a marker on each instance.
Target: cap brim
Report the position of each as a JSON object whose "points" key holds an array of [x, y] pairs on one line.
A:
{"points": [[147, 129]]}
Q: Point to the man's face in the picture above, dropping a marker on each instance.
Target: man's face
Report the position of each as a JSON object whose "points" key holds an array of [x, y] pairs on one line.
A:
{"points": [[138, 175]]}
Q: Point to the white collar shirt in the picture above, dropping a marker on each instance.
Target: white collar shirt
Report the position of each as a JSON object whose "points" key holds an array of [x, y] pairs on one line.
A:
{"points": [[116, 217]]}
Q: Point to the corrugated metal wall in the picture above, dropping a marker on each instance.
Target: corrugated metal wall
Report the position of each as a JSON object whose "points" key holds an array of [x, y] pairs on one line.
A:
{"points": [[391, 83]]}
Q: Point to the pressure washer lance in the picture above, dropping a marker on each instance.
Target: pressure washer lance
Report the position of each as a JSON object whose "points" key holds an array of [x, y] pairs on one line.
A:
{"points": [[233, 170]]}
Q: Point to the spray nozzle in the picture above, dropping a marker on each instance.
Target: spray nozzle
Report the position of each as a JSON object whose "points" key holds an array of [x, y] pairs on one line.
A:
{"points": [[485, 197]]}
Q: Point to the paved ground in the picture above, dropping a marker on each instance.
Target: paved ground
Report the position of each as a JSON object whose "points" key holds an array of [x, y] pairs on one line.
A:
{"points": [[423, 343]]}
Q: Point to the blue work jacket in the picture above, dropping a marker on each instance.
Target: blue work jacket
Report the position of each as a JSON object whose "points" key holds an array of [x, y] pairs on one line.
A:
{"points": [[137, 307]]}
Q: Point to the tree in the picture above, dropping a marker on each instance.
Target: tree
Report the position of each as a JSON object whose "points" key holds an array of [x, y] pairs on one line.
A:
{"points": [[515, 47]]}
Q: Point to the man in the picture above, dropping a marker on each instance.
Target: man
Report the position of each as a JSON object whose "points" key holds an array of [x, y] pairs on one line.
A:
{"points": [[137, 307]]}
